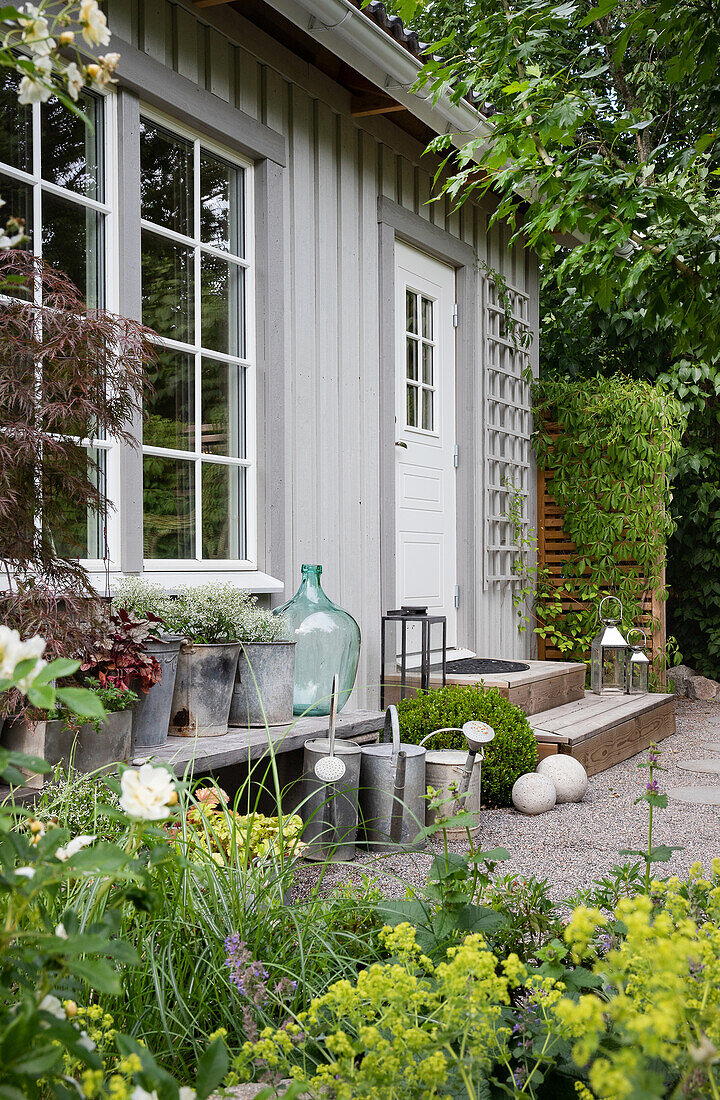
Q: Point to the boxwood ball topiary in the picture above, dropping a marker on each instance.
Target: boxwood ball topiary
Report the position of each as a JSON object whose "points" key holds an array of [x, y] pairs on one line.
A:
{"points": [[511, 754]]}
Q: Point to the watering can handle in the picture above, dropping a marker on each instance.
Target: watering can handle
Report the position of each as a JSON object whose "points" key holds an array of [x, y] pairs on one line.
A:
{"points": [[392, 726], [443, 729]]}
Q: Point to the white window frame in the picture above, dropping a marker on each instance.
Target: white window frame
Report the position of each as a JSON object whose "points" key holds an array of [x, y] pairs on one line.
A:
{"points": [[108, 208], [247, 363], [418, 384]]}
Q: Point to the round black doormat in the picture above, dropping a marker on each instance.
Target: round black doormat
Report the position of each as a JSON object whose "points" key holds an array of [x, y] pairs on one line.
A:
{"points": [[476, 666]]}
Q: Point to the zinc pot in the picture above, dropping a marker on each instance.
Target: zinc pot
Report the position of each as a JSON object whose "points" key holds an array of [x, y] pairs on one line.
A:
{"points": [[443, 769], [264, 684], [86, 749], [151, 713], [203, 689]]}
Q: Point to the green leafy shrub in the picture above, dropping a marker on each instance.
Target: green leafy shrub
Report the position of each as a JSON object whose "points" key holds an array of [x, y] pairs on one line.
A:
{"points": [[511, 754]]}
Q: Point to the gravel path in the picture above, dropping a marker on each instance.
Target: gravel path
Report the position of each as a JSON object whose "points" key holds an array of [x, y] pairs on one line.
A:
{"points": [[579, 842]]}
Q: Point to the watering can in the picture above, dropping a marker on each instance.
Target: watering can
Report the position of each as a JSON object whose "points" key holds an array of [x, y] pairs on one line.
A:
{"points": [[392, 791], [454, 768], [331, 777]]}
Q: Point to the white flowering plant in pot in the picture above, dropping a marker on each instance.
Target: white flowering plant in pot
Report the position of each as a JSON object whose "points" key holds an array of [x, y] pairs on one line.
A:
{"points": [[50, 1046]]}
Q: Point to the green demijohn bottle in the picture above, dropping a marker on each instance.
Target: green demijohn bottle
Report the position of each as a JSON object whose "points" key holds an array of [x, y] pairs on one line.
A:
{"points": [[327, 642]]}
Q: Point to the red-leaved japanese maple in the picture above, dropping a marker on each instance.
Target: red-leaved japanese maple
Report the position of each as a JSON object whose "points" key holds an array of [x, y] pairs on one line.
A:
{"points": [[68, 374]]}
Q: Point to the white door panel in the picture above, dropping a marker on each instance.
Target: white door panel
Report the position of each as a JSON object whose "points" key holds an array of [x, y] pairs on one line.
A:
{"points": [[425, 435]]}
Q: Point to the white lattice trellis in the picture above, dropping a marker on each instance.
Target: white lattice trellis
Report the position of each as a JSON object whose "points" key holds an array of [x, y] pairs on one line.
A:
{"points": [[508, 424]]}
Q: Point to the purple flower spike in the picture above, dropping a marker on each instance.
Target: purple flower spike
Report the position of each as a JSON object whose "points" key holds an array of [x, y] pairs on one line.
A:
{"points": [[653, 787]]}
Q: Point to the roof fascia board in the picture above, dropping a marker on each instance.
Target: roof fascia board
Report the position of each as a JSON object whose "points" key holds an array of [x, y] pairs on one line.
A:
{"points": [[357, 40]]}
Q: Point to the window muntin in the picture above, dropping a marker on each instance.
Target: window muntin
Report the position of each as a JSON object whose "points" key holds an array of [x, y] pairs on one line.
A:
{"points": [[53, 174], [198, 469], [420, 401]]}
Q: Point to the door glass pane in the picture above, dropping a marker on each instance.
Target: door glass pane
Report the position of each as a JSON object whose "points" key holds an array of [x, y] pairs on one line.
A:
{"points": [[427, 318], [72, 242], [166, 179], [168, 508], [72, 150], [170, 419], [428, 422], [412, 406], [222, 305], [15, 128], [411, 319], [167, 287], [223, 409], [223, 490], [412, 358], [427, 364], [220, 204]]}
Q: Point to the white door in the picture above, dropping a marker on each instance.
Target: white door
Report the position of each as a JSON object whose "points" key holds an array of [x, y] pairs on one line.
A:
{"points": [[425, 435]]}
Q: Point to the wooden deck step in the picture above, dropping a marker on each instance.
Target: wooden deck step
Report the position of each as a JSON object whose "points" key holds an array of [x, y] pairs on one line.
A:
{"points": [[544, 684], [603, 730]]}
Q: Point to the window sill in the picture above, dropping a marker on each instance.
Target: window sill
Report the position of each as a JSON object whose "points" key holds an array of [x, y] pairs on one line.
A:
{"points": [[252, 580]]}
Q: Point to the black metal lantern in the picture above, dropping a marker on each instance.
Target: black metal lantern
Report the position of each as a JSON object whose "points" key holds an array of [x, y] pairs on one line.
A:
{"points": [[608, 654], [411, 616], [637, 669]]}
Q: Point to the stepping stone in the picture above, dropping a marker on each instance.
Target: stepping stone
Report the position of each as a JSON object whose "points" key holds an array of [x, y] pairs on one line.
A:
{"points": [[712, 767], [697, 796]]}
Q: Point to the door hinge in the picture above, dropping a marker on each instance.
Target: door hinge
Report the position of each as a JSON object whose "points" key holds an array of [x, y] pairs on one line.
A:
{"points": [[455, 315], [457, 595], [456, 456]]}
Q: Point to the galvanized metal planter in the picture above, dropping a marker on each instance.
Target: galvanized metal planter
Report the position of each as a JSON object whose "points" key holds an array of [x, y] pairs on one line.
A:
{"points": [[203, 690], [264, 684], [151, 713], [86, 750]]}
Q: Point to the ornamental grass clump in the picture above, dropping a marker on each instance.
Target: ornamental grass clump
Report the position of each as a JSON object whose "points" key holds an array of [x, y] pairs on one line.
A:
{"points": [[512, 753]]}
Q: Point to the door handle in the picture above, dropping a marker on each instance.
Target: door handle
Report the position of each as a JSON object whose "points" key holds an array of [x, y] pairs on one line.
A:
{"points": [[401, 443]]}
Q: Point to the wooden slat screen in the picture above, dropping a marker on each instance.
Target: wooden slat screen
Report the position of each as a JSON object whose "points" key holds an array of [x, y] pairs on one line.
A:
{"points": [[555, 548]]}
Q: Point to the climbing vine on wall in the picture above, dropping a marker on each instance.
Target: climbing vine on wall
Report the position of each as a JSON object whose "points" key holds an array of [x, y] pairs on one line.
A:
{"points": [[609, 445]]}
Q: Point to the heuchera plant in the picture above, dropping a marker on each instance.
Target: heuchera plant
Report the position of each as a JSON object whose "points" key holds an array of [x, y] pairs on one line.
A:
{"points": [[118, 656]]}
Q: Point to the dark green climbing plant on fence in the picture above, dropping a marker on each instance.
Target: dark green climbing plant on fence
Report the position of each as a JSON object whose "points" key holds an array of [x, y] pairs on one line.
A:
{"points": [[609, 445]]}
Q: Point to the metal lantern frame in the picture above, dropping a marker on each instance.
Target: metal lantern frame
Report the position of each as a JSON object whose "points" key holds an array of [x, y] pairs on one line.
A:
{"points": [[608, 646], [404, 616], [637, 667]]}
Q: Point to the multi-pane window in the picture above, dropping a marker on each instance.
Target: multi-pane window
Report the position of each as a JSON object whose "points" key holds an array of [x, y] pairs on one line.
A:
{"points": [[419, 361], [197, 458], [53, 176]]}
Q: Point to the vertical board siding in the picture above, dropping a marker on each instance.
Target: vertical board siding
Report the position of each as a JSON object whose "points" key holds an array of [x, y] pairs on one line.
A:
{"points": [[337, 168]]}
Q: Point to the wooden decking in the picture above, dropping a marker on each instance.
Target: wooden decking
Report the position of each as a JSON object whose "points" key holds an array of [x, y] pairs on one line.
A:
{"points": [[543, 685], [187, 755], [601, 731]]}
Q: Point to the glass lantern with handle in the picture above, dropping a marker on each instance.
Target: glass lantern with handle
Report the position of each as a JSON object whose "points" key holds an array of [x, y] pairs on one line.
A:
{"points": [[608, 654], [637, 669]]}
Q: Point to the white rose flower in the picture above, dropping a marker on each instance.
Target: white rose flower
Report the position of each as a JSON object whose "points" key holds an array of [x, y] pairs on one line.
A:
{"points": [[148, 793], [53, 1006], [94, 24], [186, 1093], [75, 80], [25, 872], [35, 87], [36, 32], [60, 932], [73, 847], [139, 1093]]}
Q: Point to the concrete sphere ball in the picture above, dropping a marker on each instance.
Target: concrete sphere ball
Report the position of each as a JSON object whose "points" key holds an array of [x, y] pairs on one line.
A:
{"points": [[533, 794], [568, 776]]}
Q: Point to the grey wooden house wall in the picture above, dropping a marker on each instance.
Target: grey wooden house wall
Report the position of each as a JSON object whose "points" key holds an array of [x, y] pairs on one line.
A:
{"points": [[325, 498]]}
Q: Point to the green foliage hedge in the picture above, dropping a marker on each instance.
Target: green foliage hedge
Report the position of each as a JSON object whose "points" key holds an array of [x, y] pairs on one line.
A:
{"points": [[513, 751]]}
